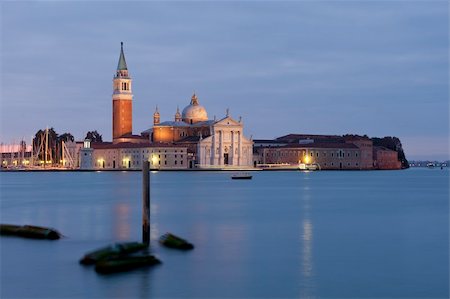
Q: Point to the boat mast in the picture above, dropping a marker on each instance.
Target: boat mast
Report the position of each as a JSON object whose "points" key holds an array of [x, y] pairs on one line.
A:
{"points": [[62, 151], [32, 152]]}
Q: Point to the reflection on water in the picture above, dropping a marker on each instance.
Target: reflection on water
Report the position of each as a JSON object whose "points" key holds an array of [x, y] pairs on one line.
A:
{"points": [[307, 249], [308, 282], [276, 236], [121, 222]]}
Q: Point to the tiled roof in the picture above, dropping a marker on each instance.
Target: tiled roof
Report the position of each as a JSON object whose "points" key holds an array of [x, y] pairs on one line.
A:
{"points": [[291, 137], [268, 141], [172, 124], [322, 145], [109, 145], [205, 123], [190, 139]]}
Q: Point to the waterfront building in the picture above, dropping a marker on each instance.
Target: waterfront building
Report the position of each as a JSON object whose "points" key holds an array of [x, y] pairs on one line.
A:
{"points": [[324, 155], [191, 140], [325, 151], [15, 155], [130, 156], [211, 143]]}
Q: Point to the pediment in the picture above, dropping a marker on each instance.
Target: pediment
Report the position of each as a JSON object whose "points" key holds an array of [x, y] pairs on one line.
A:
{"points": [[227, 121]]}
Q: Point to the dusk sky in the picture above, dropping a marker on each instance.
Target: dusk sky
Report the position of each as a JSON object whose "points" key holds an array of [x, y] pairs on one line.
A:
{"points": [[379, 68]]}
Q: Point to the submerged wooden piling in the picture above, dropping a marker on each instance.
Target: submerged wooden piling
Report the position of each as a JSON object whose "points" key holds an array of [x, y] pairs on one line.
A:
{"points": [[145, 204], [29, 231]]}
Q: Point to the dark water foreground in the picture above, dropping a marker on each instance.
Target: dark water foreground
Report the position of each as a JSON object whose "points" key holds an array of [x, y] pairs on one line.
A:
{"points": [[322, 234]]}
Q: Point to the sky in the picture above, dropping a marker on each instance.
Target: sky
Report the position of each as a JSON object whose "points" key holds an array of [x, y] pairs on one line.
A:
{"points": [[379, 68]]}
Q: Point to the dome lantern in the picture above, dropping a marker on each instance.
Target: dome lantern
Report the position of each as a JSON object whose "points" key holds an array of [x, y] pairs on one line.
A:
{"points": [[194, 112]]}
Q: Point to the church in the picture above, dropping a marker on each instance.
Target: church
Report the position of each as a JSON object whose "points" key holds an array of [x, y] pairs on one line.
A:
{"points": [[214, 143], [190, 141]]}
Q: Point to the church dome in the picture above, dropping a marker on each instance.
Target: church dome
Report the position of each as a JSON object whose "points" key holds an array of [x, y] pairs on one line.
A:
{"points": [[194, 112]]}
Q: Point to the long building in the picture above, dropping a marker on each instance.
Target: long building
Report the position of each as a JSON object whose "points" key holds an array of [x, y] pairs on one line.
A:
{"points": [[332, 152]]}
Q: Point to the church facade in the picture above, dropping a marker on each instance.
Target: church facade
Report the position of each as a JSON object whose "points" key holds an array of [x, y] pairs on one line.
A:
{"points": [[212, 143]]}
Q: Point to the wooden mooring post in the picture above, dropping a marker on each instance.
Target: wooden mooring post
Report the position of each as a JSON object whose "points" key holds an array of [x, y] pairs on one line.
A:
{"points": [[145, 204]]}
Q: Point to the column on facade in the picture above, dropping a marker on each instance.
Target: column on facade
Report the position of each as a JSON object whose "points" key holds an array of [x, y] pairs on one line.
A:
{"points": [[239, 148], [232, 148], [213, 149], [220, 161]]}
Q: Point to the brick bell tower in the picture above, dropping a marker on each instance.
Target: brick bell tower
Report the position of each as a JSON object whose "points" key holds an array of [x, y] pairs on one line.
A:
{"points": [[122, 100]]}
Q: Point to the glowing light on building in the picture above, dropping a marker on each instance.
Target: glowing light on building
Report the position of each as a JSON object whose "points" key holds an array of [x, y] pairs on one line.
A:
{"points": [[307, 159]]}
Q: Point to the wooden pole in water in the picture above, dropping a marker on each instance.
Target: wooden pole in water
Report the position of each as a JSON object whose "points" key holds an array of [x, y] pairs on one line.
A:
{"points": [[145, 203]]}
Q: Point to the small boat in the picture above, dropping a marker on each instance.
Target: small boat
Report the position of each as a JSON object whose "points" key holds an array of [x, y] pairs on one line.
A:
{"points": [[113, 251], [29, 231], [431, 165], [172, 241], [125, 263], [241, 176], [303, 166]]}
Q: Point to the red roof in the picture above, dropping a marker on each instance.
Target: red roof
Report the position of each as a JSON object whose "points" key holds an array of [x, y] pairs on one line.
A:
{"points": [[109, 145], [321, 145]]}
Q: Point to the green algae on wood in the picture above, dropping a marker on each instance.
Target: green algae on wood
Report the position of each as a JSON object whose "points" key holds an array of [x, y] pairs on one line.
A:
{"points": [[125, 263], [172, 241], [112, 251], [29, 231]]}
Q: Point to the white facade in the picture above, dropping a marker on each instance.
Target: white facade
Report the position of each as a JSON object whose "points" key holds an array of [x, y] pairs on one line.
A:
{"points": [[226, 147]]}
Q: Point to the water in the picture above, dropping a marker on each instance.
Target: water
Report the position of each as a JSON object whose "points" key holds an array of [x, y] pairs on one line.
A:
{"points": [[359, 234]]}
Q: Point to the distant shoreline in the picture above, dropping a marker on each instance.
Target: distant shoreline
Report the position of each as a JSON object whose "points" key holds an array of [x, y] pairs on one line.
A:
{"points": [[191, 170]]}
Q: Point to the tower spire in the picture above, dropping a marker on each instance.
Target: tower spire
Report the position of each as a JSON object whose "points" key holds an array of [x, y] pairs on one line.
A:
{"points": [[122, 65]]}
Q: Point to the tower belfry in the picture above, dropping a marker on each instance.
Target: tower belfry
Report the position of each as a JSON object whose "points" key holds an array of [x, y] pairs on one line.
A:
{"points": [[122, 100]]}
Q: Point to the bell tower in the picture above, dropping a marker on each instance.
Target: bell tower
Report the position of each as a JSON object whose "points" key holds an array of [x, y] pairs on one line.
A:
{"points": [[122, 99]]}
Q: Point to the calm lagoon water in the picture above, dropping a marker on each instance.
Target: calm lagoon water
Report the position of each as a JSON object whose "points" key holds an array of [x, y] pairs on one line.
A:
{"points": [[378, 234]]}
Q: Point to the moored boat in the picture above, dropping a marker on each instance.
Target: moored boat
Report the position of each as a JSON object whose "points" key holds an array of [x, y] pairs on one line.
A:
{"points": [[172, 241], [241, 176]]}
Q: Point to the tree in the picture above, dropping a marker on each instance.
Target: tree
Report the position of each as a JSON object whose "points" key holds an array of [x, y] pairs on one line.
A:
{"points": [[66, 137], [94, 136]]}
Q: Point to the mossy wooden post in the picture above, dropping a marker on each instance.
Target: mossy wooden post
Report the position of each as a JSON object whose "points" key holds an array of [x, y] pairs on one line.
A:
{"points": [[145, 204]]}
